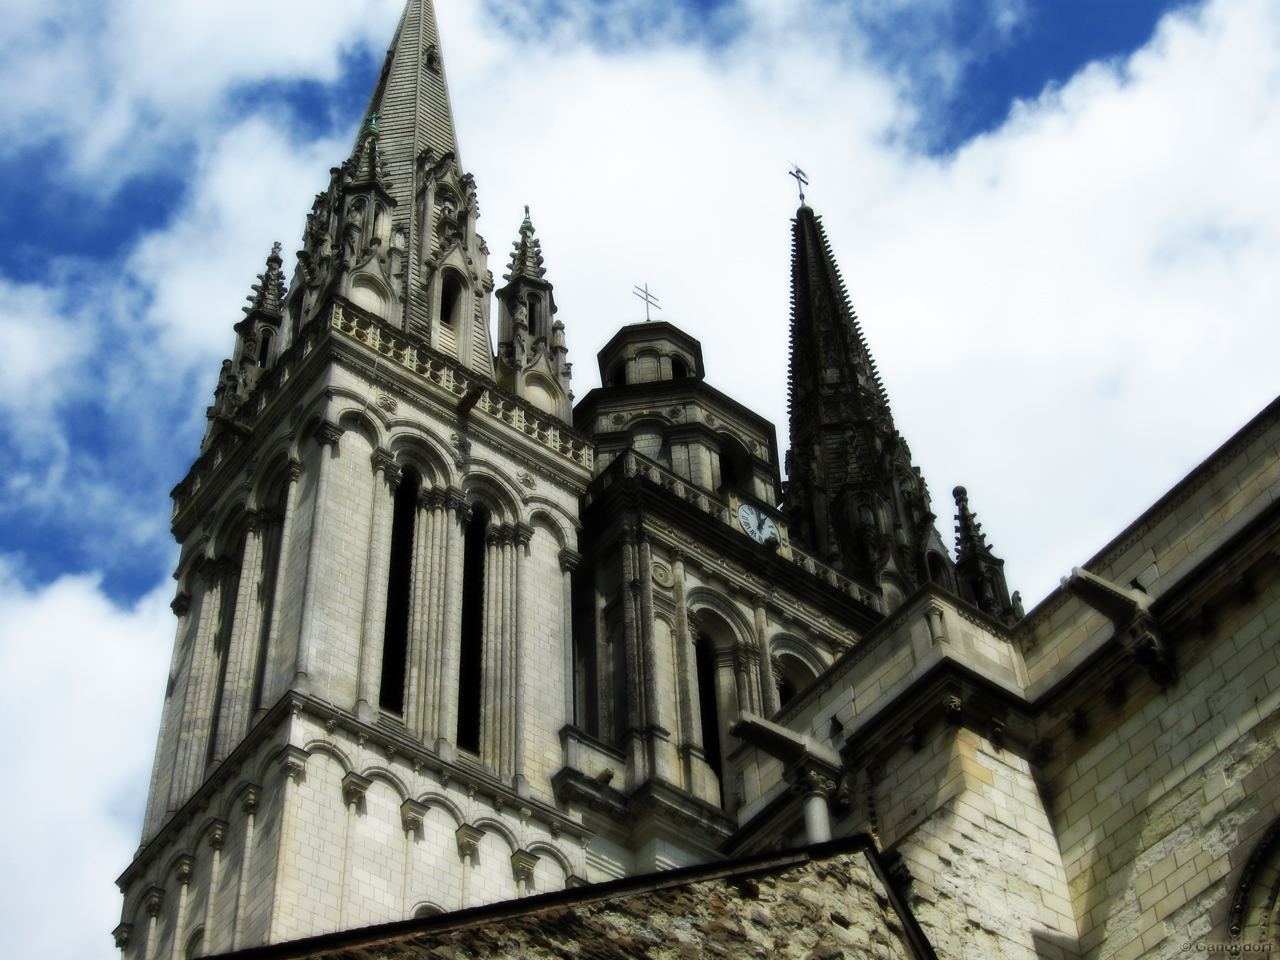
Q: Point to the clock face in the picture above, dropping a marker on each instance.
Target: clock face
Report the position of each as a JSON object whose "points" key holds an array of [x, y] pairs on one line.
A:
{"points": [[756, 524]]}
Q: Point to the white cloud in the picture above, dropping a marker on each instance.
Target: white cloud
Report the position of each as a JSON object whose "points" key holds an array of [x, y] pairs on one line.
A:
{"points": [[1068, 313], [81, 683]]}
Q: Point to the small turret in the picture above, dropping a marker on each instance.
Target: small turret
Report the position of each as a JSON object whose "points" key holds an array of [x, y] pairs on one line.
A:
{"points": [[980, 572], [532, 354]]}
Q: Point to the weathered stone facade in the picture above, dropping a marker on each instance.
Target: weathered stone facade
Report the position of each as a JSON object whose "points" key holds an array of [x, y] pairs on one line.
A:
{"points": [[827, 905], [446, 640]]}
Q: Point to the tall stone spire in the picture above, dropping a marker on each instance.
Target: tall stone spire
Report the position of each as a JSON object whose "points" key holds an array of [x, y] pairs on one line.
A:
{"points": [[532, 354], [395, 234], [853, 495], [979, 571]]}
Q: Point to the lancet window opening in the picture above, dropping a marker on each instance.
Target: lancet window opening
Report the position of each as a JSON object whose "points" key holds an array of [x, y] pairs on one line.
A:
{"points": [[395, 641], [471, 652], [226, 615], [709, 708], [451, 291]]}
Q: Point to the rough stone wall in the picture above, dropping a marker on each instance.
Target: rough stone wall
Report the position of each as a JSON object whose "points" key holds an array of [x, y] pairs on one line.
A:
{"points": [[822, 910]]}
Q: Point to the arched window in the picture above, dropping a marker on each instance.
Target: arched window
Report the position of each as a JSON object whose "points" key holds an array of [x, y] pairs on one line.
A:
{"points": [[791, 675], [195, 944], [471, 655], [679, 369], [222, 639], [938, 572], [264, 347], [705, 656], [735, 464], [535, 316], [451, 299], [618, 375], [271, 546], [395, 636]]}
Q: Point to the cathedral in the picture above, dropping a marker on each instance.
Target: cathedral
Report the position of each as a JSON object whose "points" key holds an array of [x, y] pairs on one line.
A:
{"points": [[466, 668]]}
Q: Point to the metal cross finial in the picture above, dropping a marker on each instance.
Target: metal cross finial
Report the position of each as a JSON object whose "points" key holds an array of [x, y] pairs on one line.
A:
{"points": [[649, 299], [801, 180]]}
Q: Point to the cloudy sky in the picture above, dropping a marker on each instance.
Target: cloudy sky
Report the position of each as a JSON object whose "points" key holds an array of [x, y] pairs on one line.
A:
{"points": [[1058, 219]]}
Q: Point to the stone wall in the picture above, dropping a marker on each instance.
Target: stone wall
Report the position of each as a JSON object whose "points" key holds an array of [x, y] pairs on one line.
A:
{"points": [[824, 904]]}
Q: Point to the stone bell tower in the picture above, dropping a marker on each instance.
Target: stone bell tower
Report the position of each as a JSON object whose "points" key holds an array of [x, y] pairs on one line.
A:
{"points": [[373, 658]]}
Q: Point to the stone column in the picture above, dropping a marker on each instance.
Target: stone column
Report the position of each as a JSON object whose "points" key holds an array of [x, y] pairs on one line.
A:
{"points": [[327, 435], [386, 477], [252, 796], [458, 515], [569, 562], [412, 819], [416, 670], [815, 790], [768, 682], [436, 522], [238, 677], [192, 735], [468, 846], [152, 902], [182, 872], [217, 838], [293, 765], [522, 864], [523, 536], [181, 607], [354, 788], [490, 725], [273, 633]]}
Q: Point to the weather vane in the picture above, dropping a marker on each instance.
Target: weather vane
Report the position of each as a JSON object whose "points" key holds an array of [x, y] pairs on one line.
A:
{"points": [[649, 299], [801, 180]]}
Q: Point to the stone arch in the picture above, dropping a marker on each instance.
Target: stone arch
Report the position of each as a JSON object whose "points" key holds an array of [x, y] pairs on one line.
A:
{"points": [[229, 528], [493, 825], [552, 524], [330, 749], [553, 852], [359, 420], [493, 489], [368, 292], [425, 908], [543, 393], [389, 777], [271, 478], [706, 599], [433, 798], [423, 451]]}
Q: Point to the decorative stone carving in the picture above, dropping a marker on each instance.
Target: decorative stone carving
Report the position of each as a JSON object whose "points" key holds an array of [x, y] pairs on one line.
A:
{"points": [[527, 480], [183, 868], [468, 838], [411, 816], [522, 864], [328, 434], [122, 933], [181, 604], [354, 787], [952, 710], [251, 798], [217, 834], [293, 761], [387, 403], [153, 901]]}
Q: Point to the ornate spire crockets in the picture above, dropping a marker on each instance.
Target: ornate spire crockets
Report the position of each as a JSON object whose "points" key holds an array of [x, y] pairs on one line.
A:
{"points": [[853, 495], [256, 337], [979, 571], [394, 235], [531, 346]]}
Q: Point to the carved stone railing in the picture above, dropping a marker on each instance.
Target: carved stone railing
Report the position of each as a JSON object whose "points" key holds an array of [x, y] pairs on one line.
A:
{"points": [[417, 357], [452, 376], [633, 464]]}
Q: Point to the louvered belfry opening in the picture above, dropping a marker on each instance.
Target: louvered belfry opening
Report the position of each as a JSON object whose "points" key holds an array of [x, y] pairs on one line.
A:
{"points": [[471, 655], [705, 658], [395, 638]]}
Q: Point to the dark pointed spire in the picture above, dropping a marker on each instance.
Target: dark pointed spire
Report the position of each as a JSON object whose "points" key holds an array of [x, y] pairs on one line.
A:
{"points": [[268, 292], [979, 571], [853, 495]]}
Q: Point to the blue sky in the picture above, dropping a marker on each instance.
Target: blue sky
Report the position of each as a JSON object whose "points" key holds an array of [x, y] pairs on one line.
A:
{"points": [[1059, 221]]}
